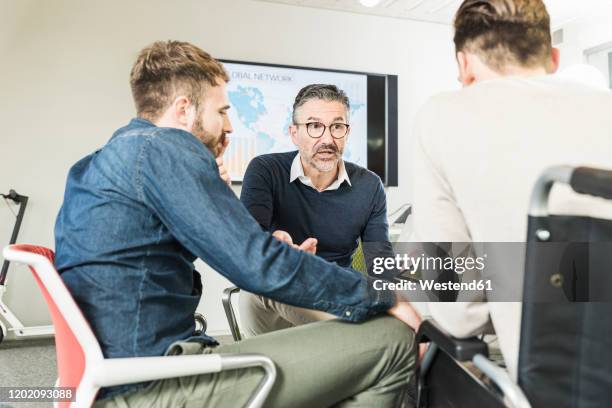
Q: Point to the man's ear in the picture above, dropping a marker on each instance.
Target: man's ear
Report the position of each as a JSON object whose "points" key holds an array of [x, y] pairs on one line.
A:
{"points": [[466, 71], [555, 60], [184, 112], [293, 134]]}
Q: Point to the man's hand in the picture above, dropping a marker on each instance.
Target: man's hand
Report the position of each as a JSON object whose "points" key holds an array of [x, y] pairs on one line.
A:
{"points": [[309, 245], [404, 311], [223, 173], [283, 236], [222, 170]]}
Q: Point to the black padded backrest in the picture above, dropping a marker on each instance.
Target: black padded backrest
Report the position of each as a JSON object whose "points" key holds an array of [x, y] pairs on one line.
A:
{"points": [[565, 355], [450, 385]]}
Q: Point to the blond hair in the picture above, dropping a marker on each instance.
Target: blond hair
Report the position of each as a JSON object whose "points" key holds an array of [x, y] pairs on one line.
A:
{"points": [[167, 69]]}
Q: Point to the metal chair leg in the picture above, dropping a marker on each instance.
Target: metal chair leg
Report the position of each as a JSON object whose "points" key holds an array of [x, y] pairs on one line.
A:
{"points": [[226, 299]]}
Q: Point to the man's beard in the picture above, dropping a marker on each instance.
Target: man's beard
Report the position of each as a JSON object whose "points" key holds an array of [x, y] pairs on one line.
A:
{"points": [[315, 159], [213, 142]]}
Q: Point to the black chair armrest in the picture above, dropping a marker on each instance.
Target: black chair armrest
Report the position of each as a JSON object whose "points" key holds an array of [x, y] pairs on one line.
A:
{"points": [[458, 349]]}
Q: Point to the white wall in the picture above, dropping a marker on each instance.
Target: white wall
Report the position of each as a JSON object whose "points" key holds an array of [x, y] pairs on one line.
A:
{"points": [[590, 31], [64, 87]]}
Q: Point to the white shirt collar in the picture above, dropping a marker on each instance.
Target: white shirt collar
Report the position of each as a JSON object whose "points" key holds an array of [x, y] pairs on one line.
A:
{"points": [[297, 172]]}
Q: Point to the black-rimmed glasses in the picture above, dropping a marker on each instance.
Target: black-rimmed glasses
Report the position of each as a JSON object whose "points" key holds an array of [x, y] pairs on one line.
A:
{"points": [[317, 129]]}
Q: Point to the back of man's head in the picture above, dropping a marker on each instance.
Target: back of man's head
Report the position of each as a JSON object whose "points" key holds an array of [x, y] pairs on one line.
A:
{"points": [[167, 69], [505, 33]]}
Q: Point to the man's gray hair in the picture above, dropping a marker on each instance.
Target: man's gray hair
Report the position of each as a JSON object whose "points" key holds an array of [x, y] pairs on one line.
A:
{"points": [[325, 92]]}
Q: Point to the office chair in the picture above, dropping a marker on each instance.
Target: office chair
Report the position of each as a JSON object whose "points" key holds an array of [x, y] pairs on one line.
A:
{"points": [[566, 328], [80, 361]]}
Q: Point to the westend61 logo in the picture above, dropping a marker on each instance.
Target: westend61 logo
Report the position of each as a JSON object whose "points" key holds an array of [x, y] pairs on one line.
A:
{"points": [[428, 263]]}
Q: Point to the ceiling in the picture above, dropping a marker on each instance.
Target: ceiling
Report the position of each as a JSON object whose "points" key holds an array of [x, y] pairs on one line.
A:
{"points": [[442, 11]]}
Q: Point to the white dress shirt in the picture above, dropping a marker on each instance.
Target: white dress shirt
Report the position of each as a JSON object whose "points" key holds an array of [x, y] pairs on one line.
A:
{"points": [[297, 172]]}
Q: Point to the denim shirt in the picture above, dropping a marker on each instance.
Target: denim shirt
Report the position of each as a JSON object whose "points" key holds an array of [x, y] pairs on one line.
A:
{"points": [[135, 216]]}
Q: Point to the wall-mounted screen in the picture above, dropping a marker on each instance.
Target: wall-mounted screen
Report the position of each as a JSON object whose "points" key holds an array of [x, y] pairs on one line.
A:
{"points": [[262, 95]]}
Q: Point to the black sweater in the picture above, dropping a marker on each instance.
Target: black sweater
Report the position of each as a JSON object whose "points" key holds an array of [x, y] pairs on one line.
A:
{"points": [[336, 218]]}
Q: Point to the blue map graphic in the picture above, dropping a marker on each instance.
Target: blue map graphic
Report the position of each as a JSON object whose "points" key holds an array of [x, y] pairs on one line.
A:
{"points": [[249, 103]]}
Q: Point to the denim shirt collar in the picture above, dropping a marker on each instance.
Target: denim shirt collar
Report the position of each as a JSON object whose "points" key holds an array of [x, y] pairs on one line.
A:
{"points": [[141, 122]]}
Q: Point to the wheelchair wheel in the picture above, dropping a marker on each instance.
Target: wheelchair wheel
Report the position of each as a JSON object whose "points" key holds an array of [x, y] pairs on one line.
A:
{"points": [[201, 324]]}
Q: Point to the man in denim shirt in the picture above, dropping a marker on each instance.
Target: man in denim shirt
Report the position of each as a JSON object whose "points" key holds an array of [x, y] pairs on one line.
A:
{"points": [[138, 212]]}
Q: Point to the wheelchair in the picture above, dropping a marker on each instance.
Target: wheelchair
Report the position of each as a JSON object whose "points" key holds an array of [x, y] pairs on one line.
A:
{"points": [[565, 356]]}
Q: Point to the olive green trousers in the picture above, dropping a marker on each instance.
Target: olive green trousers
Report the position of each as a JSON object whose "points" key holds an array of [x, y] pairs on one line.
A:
{"points": [[322, 364]]}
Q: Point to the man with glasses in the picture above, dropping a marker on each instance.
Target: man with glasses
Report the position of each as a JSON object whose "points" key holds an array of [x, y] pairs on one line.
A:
{"points": [[312, 197]]}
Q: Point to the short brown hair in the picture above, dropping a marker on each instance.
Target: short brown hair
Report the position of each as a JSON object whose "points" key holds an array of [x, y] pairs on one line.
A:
{"points": [[505, 32], [165, 68]]}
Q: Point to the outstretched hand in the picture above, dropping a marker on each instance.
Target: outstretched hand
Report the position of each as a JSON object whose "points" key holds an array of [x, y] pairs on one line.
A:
{"points": [[309, 245]]}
